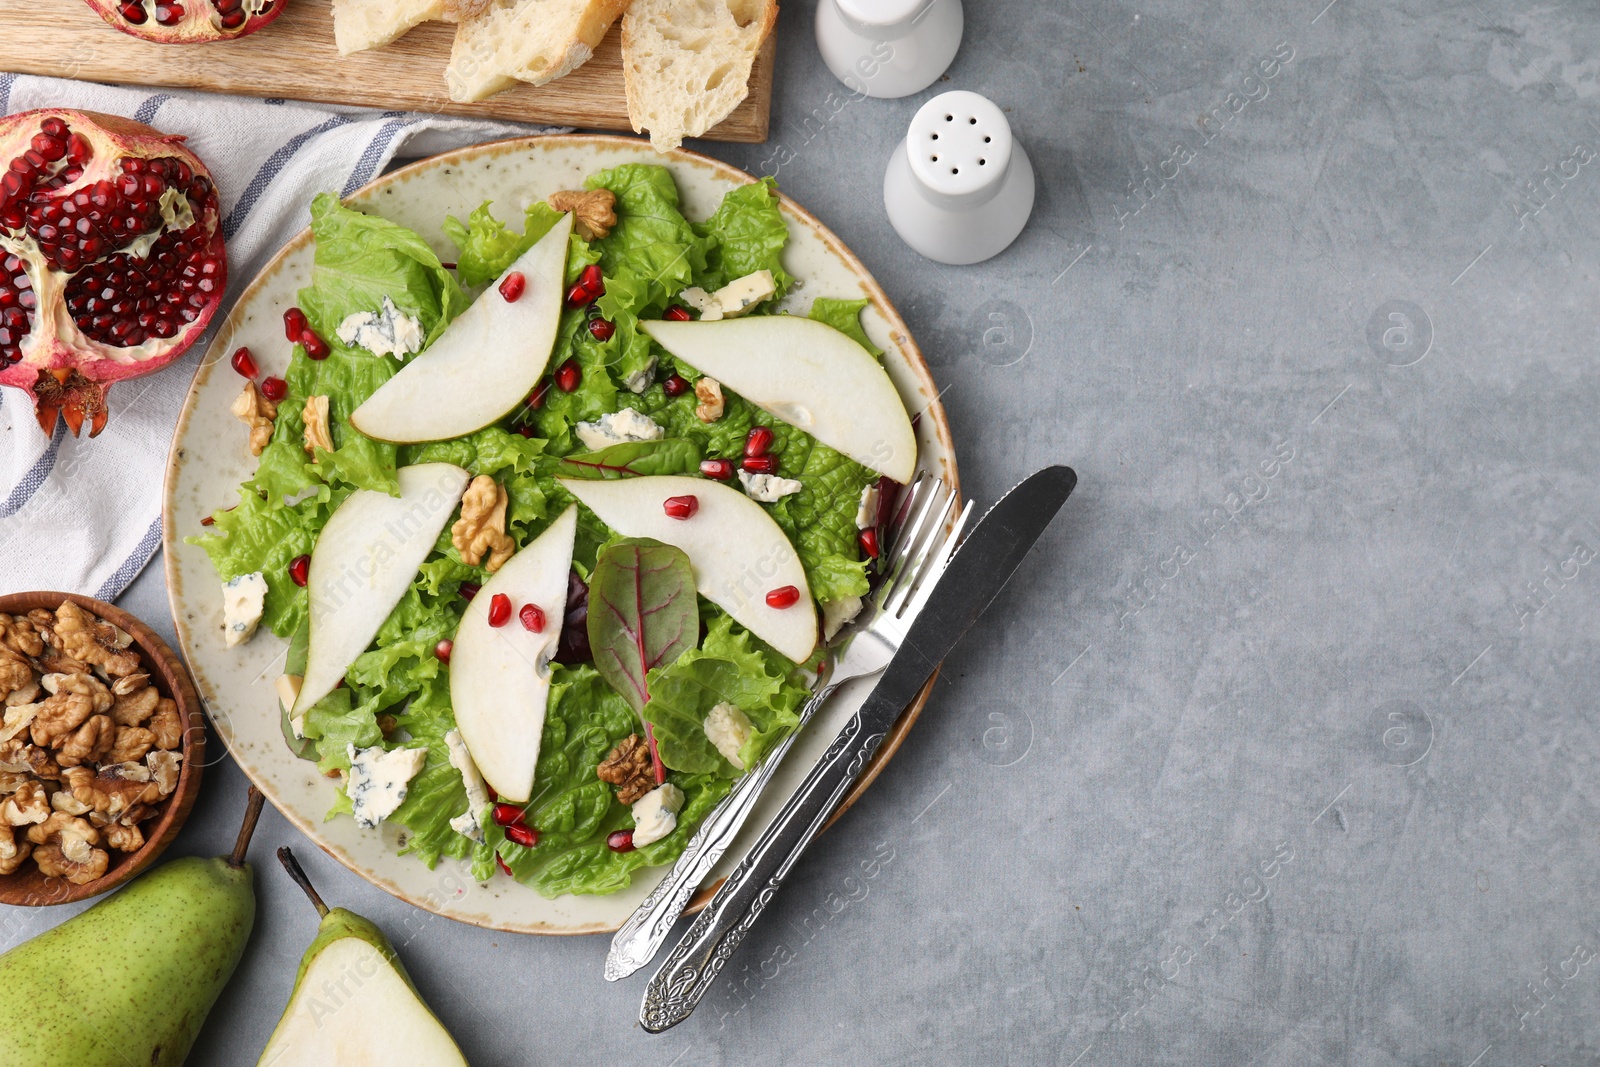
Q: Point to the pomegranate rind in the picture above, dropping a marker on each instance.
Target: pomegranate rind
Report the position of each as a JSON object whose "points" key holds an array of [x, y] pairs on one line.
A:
{"points": [[64, 370], [198, 25]]}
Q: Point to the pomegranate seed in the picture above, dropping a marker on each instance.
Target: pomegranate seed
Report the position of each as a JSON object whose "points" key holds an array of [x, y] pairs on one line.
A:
{"points": [[760, 464], [512, 286], [505, 870], [537, 397], [506, 815], [494, 796], [569, 376], [758, 441], [620, 841], [720, 469], [526, 836], [133, 12], [315, 346], [682, 507], [674, 313], [245, 363], [602, 329], [208, 521], [274, 389], [443, 649], [675, 385], [300, 570], [578, 296], [294, 323], [499, 609], [468, 590], [869, 542], [593, 281], [532, 618], [785, 596]]}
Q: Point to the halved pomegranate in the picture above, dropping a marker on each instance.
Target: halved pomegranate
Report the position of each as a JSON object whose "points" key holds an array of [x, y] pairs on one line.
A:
{"points": [[111, 238], [188, 21]]}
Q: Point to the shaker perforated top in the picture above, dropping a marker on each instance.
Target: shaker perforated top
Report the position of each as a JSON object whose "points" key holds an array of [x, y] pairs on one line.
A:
{"points": [[959, 145]]}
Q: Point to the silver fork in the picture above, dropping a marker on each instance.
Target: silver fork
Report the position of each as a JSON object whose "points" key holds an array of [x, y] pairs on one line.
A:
{"points": [[861, 649], [699, 957]]}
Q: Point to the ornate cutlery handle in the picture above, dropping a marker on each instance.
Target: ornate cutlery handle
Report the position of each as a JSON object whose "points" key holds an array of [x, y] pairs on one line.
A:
{"points": [[718, 931]]}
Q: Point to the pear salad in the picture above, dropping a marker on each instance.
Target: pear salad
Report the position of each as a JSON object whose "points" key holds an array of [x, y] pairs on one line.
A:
{"points": [[556, 532]]}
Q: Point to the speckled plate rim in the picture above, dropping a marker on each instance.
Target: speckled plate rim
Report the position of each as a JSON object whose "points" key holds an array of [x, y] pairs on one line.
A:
{"points": [[899, 336]]}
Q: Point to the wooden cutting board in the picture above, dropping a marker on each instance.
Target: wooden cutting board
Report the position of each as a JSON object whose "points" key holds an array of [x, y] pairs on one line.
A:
{"points": [[295, 58]]}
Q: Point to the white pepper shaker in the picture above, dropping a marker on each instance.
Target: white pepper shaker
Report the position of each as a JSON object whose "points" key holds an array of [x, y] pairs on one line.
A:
{"points": [[888, 48], [958, 188]]}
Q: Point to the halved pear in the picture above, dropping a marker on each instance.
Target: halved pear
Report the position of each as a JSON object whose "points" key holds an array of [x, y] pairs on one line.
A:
{"points": [[809, 375], [738, 553], [364, 560], [486, 361], [500, 675], [353, 1003]]}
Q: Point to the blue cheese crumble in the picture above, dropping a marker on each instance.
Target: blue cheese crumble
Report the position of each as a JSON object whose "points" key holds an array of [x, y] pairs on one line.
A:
{"points": [[768, 488], [386, 332], [655, 815], [617, 428], [243, 600], [466, 824], [378, 780]]}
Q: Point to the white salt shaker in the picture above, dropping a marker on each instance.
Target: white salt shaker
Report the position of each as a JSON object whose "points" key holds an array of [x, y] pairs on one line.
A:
{"points": [[958, 188], [888, 48]]}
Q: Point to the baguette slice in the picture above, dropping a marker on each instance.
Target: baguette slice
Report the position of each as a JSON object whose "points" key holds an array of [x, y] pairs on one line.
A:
{"points": [[502, 42], [687, 62], [362, 24]]}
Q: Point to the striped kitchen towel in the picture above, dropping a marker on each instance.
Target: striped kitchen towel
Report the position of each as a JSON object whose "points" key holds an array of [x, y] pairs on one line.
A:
{"points": [[85, 515]]}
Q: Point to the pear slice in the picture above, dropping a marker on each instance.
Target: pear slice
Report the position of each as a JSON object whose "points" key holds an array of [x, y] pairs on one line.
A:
{"points": [[809, 375], [353, 1003], [500, 675], [364, 560], [738, 553], [486, 361]]}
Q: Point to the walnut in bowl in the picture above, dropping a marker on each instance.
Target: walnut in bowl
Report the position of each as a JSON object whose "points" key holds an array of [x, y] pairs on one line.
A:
{"points": [[101, 747]]}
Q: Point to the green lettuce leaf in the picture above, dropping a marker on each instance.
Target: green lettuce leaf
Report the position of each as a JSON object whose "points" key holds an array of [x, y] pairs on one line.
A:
{"points": [[485, 246], [746, 234], [844, 316], [731, 667]]}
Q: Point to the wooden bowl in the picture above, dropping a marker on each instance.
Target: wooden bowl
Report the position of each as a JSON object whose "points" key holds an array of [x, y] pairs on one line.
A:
{"points": [[28, 887]]}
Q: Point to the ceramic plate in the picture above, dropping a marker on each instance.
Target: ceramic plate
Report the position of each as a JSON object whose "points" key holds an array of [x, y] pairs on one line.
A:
{"points": [[209, 459]]}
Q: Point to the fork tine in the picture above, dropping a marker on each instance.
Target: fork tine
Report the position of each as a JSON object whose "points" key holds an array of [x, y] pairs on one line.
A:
{"points": [[894, 542], [912, 532], [931, 541], [928, 576]]}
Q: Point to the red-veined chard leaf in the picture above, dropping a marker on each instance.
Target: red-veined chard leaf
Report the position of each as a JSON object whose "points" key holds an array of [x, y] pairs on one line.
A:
{"points": [[632, 459], [642, 613]]}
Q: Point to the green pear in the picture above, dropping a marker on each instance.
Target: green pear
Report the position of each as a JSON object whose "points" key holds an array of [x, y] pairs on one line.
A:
{"points": [[353, 1003], [130, 980]]}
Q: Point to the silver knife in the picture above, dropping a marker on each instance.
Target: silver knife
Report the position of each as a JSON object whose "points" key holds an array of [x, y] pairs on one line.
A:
{"points": [[975, 575]]}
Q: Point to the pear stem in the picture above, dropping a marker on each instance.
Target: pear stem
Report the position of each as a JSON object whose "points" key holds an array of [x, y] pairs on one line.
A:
{"points": [[292, 865], [252, 813]]}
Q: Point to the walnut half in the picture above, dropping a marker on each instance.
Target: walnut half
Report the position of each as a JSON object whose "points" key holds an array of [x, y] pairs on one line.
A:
{"points": [[708, 391], [256, 412], [317, 435], [482, 526], [67, 849], [594, 211], [629, 769]]}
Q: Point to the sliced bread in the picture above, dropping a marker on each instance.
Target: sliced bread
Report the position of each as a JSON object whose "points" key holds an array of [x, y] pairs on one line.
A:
{"points": [[502, 42], [687, 62], [362, 24]]}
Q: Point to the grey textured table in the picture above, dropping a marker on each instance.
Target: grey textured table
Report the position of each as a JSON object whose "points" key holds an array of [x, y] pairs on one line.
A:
{"points": [[1284, 750]]}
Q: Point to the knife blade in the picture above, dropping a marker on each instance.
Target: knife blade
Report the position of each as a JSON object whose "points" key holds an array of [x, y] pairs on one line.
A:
{"points": [[971, 581]]}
